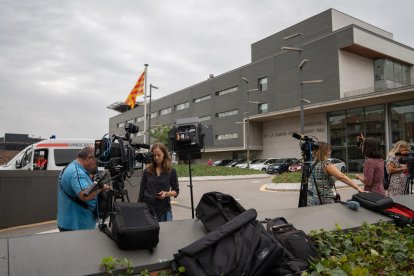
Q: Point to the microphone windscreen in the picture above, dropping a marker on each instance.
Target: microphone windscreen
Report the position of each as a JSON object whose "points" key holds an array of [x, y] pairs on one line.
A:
{"points": [[354, 205]]}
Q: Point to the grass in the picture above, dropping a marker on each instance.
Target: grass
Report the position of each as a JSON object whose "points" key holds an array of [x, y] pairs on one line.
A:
{"points": [[204, 170]]}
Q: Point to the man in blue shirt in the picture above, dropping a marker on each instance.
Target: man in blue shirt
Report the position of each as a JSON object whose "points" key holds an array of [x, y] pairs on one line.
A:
{"points": [[75, 209]]}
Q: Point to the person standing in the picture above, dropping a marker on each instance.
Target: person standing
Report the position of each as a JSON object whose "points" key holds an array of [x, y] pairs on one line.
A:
{"points": [[159, 183], [397, 171], [322, 178], [75, 209], [373, 177]]}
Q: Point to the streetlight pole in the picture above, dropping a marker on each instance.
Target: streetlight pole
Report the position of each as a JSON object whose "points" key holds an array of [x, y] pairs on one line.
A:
{"points": [[302, 101], [149, 109], [247, 125]]}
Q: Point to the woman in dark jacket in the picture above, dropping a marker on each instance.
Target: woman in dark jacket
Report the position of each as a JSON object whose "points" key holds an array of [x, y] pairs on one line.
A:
{"points": [[159, 183]]}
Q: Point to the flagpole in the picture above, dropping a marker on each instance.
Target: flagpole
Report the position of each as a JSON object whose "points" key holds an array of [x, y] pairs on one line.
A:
{"points": [[145, 103]]}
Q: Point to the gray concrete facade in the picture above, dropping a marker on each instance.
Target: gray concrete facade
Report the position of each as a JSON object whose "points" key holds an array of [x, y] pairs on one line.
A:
{"points": [[340, 50]]}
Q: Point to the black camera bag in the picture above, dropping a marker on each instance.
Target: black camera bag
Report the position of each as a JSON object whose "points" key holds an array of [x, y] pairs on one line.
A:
{"points": [[373, 201], [216, 209], [134, 226], [238, 247]]}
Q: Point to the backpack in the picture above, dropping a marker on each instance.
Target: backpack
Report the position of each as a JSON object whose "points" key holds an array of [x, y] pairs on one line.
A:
{"points": [[386, 176], [238, 247], [215, 209], [295, 241], [134, 226]]}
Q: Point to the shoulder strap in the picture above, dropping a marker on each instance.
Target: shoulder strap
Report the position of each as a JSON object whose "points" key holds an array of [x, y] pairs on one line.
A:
{"points": [[76, 199], [316, 185]]}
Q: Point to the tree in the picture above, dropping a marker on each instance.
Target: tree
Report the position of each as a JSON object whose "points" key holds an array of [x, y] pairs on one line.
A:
{"points": [[161, 134]]}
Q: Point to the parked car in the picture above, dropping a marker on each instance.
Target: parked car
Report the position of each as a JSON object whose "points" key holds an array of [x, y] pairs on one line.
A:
{"points": [[223, 162], [339, 164], [235, 162], [262, 164], [281, 165], [295, 167], [243, 165]]}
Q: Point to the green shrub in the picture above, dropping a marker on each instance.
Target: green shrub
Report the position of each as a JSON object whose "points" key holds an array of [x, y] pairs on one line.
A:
{"points": [[295, 177], [373, 249]]}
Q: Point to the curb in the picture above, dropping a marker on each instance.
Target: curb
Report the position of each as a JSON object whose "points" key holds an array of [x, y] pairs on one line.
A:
{"points": [[226, 177], [289, 187]]}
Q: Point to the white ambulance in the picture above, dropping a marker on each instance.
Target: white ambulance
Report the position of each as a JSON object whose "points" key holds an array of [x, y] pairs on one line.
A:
{"points": [[58, 153]]}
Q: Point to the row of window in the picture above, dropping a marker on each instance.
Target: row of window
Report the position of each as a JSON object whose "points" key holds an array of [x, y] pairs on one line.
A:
{"points": [[262, 108]]}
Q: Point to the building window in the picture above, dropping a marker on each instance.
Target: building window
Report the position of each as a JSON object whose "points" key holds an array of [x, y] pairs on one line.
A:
{"points": [[346, 125], [402, 121], [121, 125], [153, 115], [182, 106], [141, 133], [165, 111], [139, 119], [130, 121], [227, 136], [390, 74], [263, 84], [227, 113], [227, 91], [263, 108], [204, 118], [205, 98]]}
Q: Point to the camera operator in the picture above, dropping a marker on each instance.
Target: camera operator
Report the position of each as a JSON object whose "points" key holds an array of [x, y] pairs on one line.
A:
{"points": [[322, 178], [396, 170], [373, 177], [76, 211], [159, 183]]}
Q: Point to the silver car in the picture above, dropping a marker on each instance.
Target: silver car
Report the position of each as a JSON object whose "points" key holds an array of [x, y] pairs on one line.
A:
{"points": [[339, 164]]}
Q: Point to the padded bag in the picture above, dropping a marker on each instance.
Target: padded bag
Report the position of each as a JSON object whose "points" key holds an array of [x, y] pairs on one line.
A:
{"points": [[294, 240], [239, 247], [215, 209], [134, 226], [401, 214], [373, 201]]}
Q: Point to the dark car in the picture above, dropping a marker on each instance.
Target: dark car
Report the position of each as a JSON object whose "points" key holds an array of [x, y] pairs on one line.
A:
{"points": [[223, 162], [281, 166]]}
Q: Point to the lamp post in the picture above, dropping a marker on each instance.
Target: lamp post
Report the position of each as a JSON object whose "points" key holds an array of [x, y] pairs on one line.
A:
{"points": [[149, 117], [247, 121]]}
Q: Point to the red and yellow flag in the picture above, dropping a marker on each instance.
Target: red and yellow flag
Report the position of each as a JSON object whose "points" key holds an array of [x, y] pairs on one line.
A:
{"points": [[138, 90]]}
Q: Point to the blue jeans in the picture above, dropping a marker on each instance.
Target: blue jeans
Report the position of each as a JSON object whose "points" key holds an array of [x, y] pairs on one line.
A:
{"points": [[166, 216]]}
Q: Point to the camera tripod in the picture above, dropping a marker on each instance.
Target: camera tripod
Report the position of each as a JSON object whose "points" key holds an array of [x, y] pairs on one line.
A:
{"points": [[109, 198], [409, 184]]}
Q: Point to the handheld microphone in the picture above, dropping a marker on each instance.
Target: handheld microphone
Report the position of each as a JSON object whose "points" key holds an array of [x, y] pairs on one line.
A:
{"points": [[353, 205]]}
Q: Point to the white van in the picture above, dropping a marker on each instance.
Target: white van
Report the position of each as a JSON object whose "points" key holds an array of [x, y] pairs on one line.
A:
{"points": [[58, 153]]}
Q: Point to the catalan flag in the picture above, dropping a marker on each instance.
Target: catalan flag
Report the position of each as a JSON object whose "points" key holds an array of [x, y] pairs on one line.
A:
{"points": [[138, 90]]}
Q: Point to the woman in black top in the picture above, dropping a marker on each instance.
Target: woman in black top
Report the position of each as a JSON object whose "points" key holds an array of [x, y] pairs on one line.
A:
{"points": [[159, 183]]}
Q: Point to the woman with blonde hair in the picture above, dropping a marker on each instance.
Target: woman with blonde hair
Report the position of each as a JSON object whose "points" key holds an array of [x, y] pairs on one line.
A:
{"points": [[396, 170], [322, 178]]}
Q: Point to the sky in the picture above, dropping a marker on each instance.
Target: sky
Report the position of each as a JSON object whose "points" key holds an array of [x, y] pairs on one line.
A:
{"points": [[63, 62]]}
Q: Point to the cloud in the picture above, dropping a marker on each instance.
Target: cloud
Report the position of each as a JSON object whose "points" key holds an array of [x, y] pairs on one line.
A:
{"points": [[62, 64]]}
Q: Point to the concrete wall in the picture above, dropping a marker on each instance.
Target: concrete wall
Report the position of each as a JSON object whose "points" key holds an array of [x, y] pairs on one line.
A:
{"points": [[28, 197]]}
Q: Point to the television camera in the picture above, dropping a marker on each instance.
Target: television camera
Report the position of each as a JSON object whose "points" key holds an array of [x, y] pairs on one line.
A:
{"points": [[408, 160], [118, 155], [187, 140], [307, 145]]}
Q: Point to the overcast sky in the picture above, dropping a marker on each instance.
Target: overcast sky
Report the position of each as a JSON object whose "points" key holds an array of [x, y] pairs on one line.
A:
{"points": [[63, 62]]}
